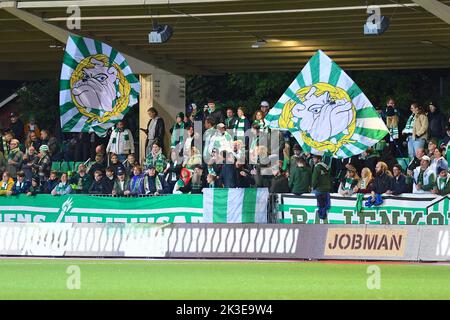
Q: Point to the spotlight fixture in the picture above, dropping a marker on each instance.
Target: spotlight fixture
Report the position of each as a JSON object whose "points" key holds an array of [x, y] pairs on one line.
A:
{"points": [[160, 33], [56, 46], [427, 42], [376, 24], [259, 43]]}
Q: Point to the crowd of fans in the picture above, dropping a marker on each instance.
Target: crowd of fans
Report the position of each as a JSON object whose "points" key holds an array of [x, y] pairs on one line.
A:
{"points": [[226, 148]]}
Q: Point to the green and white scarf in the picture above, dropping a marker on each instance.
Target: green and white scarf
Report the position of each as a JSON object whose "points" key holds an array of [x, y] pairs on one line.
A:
{"points": [[239, 129], [409, 124], [157, 160], [442, 182], [126, 136], [262, 125], [177, 134], [347, 185]]}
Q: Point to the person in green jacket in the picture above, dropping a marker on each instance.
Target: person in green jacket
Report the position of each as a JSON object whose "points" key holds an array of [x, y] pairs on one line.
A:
{"points": [[442, 186], [300, 177], [321, 185], [82, 181]]}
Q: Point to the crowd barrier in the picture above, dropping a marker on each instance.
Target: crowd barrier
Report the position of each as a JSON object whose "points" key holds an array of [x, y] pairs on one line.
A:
{"points": [[271, 241], [223, 206], [407, 209]]}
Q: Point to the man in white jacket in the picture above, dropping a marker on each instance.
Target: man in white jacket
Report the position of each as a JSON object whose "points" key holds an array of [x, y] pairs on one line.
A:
{"points": [[424, 177], [121, 142]]}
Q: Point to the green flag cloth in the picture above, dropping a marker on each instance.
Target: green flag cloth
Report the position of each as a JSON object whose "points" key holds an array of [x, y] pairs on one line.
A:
{"points": [[97, 87], [235, 205], [327, 112]]}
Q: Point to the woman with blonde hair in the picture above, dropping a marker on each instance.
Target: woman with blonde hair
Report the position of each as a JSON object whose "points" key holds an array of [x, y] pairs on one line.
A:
{"points": [[365, 184]]}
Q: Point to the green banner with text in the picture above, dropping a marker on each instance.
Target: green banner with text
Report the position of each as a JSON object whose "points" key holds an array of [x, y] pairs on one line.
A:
{"points": [[85, 208], [407, 209]]}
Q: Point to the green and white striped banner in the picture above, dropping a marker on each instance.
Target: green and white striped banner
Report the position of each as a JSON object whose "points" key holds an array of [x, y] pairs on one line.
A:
{"points": [[235, 205], [407, 209], [97, 86], [327, 112]]}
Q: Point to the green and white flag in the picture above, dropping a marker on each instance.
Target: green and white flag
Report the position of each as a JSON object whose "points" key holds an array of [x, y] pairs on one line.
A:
{"points": [[97, 87], [235, 205], [327, 112]]}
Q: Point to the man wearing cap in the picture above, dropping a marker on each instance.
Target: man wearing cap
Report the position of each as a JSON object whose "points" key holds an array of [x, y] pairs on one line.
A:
{"points": [[222, 140], [35, 187], [210, 111], [81, 182], [121, 184], [321, 185], [424, 179], [442, 187], [16, 126], [264, 106], [41, 164], [437, 123]]}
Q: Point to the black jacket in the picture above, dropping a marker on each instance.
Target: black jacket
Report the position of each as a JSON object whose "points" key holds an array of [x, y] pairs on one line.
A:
{"points": [[244, 181], [279, 184], [18, 129], [216, 115], [228, 175], [383, 183], [400, 186], [437, 123], [98, 187], [159, 131]]}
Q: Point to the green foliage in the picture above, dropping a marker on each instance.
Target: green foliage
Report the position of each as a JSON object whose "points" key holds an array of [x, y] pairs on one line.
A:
{"points": [[245, 89], [40, 100]]}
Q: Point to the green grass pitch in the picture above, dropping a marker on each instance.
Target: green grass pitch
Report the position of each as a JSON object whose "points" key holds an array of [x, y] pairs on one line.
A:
{"points": [[206, 279]]}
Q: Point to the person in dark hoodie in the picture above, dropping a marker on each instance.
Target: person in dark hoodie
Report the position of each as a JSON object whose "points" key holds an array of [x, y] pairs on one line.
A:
{"points": [[155, 184], [321, 186], [110, 178], [98, 186], [98, 165], [228, 172], [51, 183], [20, 186], [116, 164], [300, 177], [437, 123], [244, 178]]}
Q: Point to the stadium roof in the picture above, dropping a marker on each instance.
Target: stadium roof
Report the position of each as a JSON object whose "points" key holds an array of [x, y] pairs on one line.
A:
{"points": [[214, 37]]}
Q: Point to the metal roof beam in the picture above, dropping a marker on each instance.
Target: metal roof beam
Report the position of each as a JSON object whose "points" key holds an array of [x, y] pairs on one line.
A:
{"points": [[439, 9]]}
